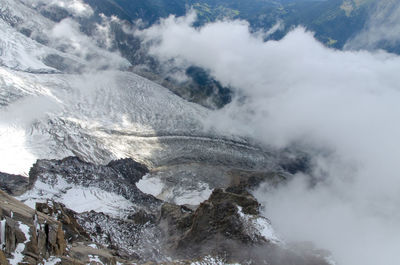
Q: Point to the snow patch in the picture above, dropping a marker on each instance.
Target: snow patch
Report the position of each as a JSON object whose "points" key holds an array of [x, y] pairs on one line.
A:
{"points": [[210, 260], [94, 258], [330, 260], [193, 197], [258, 225], [77, 198], [93, 246], [2, 234], [154, 185], [150, 185], [13, 151], [52, 261]]}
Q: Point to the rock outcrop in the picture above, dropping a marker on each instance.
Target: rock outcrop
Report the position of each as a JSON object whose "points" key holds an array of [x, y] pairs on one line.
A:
{"points": [[68, 218], [29, 236], [13, 184], [229, 225], [218, 226], [51, 233]]}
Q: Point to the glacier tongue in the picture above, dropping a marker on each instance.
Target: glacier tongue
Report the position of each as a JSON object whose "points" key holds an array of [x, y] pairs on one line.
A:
{"points": [[106, 115], [96, 116]]}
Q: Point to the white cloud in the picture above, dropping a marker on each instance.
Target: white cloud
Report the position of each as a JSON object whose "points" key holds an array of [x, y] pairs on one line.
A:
{"points": [[67, 37], [382, 27], [341, 106], [76, 8]]}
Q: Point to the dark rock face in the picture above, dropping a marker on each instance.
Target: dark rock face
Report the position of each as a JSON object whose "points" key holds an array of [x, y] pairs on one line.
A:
{"points": [[224, 226], [14, 185], [141, 217], [217, 227], [174, 221], [118, 177], [131, 170]]}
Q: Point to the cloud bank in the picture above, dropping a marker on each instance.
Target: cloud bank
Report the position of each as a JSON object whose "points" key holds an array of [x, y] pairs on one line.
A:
{"points": [[341, 107]]}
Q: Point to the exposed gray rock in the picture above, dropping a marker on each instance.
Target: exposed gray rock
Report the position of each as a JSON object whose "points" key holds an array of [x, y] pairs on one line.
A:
{"points": [[130, 240], [13, 184], [131, 170]]}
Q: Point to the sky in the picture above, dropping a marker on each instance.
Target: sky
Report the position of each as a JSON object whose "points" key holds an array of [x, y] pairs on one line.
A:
{"points": [[341, 107]]}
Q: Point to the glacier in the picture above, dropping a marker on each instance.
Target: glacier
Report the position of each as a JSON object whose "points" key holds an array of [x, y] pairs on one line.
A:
{"points": [[74, 108]]}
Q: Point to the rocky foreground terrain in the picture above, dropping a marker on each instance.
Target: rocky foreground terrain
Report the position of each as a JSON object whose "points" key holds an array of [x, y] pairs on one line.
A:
{"points": [[225, 228]]}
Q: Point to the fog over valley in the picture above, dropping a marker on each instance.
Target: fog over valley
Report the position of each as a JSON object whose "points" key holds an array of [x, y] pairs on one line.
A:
{"points": [[338, 106]]}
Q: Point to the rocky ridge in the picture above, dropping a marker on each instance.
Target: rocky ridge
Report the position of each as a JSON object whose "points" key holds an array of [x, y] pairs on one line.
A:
{"points": [[226, 228]]}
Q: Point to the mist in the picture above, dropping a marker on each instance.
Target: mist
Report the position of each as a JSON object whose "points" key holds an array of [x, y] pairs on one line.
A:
{"points": [[382, 27], [77, 8], [341, 107], [95, 50]]}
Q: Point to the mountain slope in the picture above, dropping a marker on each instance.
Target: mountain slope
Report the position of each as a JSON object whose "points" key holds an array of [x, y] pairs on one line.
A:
{"points": [[67, 92]]}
